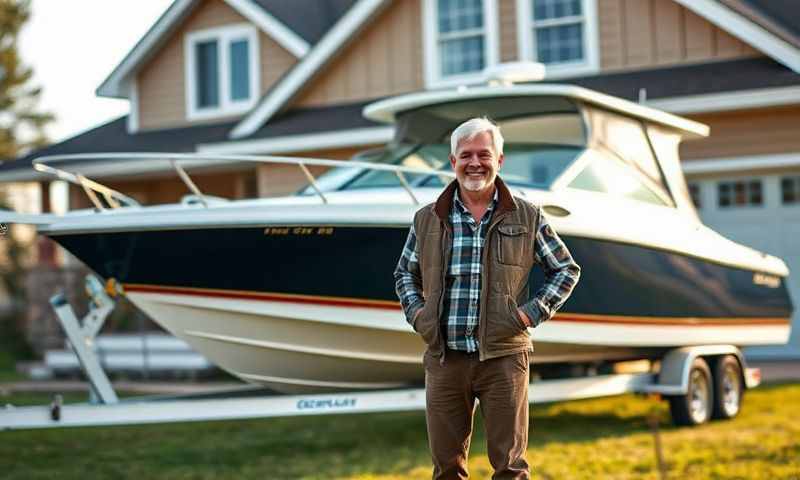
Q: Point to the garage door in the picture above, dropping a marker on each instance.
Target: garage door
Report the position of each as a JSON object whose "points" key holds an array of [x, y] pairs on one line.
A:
{"points": [[763, 212]]}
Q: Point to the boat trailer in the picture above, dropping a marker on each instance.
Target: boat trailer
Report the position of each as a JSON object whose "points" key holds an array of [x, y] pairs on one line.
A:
{"points": [[677, 380]]}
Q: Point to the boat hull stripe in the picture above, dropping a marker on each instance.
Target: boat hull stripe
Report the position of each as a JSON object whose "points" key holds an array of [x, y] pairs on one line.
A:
{"points": [[387, 305]]}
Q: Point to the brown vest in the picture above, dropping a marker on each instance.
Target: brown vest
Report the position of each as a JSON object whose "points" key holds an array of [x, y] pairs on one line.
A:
{"points": [[505, 266]]}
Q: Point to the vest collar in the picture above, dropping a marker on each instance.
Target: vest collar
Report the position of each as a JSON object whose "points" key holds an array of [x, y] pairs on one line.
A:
{"points": [[505, 201]]}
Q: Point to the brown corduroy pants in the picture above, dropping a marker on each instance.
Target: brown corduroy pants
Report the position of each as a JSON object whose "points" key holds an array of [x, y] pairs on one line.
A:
{"points": [[501, 387]]}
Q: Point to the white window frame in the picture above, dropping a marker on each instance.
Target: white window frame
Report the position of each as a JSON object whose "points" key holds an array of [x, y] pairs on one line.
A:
{"points": [[527, 51], [430, 27], [224, 36]]}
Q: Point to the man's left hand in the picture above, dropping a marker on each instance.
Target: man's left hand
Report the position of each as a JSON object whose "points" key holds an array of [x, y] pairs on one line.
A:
{"points": [[524, 318]]}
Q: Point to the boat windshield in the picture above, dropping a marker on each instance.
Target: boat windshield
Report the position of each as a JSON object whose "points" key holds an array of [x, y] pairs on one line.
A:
{"points": [[534, 166], [543, 136]]}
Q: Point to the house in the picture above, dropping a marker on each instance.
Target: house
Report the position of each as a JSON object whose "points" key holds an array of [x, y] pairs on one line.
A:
{"points": [[291, 78]]}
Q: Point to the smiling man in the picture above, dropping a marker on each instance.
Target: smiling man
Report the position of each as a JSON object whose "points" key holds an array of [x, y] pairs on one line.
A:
{"points": [[462, 280]]}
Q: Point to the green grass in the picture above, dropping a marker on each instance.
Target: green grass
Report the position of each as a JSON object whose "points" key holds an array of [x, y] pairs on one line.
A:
{"points": [[8, 372], [590, 439]]}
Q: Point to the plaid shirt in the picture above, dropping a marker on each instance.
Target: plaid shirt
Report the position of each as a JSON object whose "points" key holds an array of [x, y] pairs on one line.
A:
{"points": [[462, 282]]}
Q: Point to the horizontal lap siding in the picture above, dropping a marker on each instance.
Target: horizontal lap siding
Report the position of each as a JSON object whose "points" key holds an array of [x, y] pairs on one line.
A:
{"points": [[753, 132]]}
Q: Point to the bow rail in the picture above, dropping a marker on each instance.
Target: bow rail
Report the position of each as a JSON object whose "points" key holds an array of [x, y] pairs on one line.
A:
{"points": [[114, 199]]}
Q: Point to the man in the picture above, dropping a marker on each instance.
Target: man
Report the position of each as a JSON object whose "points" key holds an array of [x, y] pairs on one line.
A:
{"points": [[462, 280]]}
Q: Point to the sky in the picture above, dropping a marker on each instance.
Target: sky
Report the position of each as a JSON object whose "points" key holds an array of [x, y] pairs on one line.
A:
{"points": [[73, 46]]}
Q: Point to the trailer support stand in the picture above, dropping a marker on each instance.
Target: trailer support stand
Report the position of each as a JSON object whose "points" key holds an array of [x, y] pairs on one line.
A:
{"points": [[81, 335]]}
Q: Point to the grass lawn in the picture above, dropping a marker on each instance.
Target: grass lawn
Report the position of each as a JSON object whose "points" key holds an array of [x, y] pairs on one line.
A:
{"points": [[590, 439]]}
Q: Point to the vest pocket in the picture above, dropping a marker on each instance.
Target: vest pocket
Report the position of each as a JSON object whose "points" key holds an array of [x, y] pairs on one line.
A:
{"points": [[511, 244], [502, 318]]}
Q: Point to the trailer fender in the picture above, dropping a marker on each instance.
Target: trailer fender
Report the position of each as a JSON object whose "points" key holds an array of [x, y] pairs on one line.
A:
{"points": [[673, 378]]}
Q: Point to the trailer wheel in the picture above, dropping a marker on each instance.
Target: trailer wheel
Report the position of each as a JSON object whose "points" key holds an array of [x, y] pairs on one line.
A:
{"points": [[695, 407], [728, 387]]}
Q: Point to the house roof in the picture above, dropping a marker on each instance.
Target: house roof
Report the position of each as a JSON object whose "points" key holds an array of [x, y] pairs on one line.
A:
{"points": [[308, 18], [693, 80], [113, 136], [778, 16], [666, 83]]}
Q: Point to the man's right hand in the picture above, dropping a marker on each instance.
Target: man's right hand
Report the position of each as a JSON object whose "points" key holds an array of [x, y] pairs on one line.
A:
{"points": [[417, 315]]}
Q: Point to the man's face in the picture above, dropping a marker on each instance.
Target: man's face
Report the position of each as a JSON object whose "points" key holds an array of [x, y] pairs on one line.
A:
{"points": [[476, 163]]}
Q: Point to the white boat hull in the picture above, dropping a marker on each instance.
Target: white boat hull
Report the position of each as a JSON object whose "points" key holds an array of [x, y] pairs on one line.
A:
{"points": [[295, 347]]}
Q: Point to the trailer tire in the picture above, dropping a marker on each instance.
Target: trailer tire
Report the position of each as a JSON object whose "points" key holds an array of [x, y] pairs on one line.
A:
{"points": [[728, 387], [694, 407]]}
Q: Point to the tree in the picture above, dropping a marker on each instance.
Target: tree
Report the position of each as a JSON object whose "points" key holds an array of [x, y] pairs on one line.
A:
{"points": [[21, 129], [21, 124]]}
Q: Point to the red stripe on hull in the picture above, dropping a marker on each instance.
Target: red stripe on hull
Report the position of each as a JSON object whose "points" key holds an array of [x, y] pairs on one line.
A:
{"points": [[387, 305]]}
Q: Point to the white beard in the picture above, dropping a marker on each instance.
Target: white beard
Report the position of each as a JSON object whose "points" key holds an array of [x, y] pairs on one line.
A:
{"points": [[476, 185]]}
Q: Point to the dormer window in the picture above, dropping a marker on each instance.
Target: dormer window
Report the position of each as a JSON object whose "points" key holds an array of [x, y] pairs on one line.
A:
{"points": [[562, 34], [221, 71], [460, 40]]}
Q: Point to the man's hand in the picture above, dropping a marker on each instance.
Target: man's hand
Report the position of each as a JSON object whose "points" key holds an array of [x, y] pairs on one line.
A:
{"points": [[524, 318]]}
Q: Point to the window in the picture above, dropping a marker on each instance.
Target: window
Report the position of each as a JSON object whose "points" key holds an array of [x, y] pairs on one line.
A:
{"points": [[610, 175], [559, 33], [221, 71], [740, 193], [460, 40], [790, 190], [694, 191]]}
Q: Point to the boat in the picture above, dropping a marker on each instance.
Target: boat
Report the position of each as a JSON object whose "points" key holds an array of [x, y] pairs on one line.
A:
{"points": [[297, 293]]}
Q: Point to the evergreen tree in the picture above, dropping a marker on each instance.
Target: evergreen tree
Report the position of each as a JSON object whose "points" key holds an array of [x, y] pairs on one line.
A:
{"points": [[21, 124], [21, 129]]}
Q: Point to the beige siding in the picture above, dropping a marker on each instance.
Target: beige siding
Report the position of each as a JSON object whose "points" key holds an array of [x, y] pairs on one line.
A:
{"points": [[385, 59], [507, 19], [642, 33], [161, 83], [753, 132]]}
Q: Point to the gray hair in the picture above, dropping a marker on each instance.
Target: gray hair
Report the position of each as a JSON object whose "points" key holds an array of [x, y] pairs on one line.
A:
{"points": [[471, 128]]}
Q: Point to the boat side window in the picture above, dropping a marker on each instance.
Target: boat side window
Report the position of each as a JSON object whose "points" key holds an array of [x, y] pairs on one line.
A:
{"points": [[609, 175], [429, 157], [626, 138]]}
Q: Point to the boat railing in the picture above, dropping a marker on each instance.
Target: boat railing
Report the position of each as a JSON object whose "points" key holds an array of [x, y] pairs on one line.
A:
{"points": [[114, 199]]}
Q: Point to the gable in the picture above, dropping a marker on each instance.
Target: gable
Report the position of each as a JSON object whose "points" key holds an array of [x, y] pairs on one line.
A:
{"points": [[117, 84], [637, 34], [160, 83], [385, 60]]}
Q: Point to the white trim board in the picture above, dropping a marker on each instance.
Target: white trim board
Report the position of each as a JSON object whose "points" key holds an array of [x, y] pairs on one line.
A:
{"points": [[725, 101], [317, 57], [745, 30], [279, 32], [741, 164], [302, 143], [114, 85]]}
